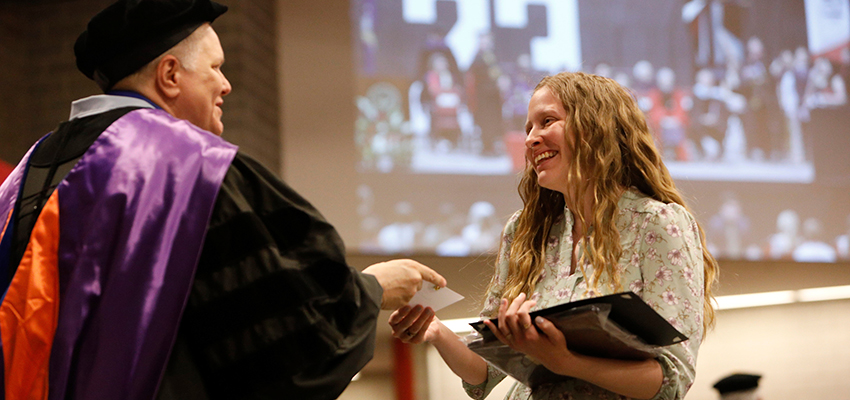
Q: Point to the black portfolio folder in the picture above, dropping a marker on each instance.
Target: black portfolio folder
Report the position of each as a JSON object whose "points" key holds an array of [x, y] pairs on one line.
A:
{"points": [[619, 326], [627, 310]]}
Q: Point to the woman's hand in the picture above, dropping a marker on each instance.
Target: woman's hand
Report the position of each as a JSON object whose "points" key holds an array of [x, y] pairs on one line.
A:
{"points": [[415, 324], [543, 342], [540, 340]]}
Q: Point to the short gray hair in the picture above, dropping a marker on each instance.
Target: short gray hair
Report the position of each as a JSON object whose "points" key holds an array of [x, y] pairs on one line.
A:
{"points": [[186, 51]]}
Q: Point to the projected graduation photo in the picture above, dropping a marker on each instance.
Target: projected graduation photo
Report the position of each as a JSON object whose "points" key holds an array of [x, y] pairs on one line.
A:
{"points": [[747, 101]]}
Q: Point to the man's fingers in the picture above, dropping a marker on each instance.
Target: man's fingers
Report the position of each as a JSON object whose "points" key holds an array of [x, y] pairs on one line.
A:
{"points": [[430, 275], [401, 279], [408, 295]]}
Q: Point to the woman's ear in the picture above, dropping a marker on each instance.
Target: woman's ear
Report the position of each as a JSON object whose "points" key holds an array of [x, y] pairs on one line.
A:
{"points": [[167, 76]]}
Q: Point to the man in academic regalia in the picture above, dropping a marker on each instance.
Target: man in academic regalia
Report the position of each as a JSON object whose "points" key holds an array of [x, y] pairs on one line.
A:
{"points": [[739, 387], [142, 256]]}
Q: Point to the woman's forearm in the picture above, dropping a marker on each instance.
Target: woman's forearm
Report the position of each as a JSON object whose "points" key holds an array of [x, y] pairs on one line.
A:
{"points": [[463, 362], [636, 379]]}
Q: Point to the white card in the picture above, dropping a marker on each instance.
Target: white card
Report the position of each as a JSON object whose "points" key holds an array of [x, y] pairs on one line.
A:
{"points": [[435, 297]]}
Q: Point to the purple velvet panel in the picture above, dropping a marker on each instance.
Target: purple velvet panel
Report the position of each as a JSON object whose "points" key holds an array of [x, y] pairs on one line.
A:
{"points": [[133, 214], [10, 188]]}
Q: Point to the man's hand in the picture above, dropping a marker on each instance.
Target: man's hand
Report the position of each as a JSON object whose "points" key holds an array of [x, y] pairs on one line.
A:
{"points": [[401, 279]]}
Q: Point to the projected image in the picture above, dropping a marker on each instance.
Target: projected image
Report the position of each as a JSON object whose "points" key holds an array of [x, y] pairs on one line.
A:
{"points": [[445, 84], [737, 93], [444, 228], [791, 237], [445, 88]]}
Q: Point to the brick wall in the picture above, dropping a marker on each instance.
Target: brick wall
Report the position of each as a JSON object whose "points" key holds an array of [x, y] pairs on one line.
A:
{"points": [[12, 94], [252, 119], [39, 77]]}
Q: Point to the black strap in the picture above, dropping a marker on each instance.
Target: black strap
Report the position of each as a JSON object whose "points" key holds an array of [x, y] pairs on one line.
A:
{"points": [[48, 165]]}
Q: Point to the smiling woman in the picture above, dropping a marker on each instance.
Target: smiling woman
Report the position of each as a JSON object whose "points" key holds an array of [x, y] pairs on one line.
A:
{"points": [[549, 143], [600, 215]]}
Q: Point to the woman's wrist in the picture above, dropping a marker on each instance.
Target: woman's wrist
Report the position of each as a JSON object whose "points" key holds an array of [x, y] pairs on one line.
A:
{"points": [[445, 338], [561, 364]]}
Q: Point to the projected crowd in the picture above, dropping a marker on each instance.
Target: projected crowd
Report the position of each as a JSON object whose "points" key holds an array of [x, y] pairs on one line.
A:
{"points": [[744, 113]]}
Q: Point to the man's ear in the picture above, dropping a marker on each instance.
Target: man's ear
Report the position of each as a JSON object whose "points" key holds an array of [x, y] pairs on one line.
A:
{"points": [[167, 76]]}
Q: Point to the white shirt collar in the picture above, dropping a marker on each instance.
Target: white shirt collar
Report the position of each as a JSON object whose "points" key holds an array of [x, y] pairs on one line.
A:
{"points": [[103, 102]]}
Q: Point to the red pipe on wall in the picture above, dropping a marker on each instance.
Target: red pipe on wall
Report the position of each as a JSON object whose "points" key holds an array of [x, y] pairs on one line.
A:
{"points": [[5, 170], [403, 371]]}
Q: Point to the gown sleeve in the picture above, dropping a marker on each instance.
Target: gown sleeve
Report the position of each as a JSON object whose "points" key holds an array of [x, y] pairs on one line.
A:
{"points": [[274, 311]]}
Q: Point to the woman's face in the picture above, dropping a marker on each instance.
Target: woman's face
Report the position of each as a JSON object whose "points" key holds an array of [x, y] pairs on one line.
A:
{"points": [[549, 143]]}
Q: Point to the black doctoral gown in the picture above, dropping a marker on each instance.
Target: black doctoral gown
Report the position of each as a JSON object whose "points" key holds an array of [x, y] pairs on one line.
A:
{"points": [[275, 312]]}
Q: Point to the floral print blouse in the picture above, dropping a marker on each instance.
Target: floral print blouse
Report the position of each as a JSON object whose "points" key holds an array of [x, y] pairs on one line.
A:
{"points": [[661, 262]]}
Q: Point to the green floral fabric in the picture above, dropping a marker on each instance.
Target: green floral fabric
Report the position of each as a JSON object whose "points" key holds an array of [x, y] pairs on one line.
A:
{"points": [[661, 262]]}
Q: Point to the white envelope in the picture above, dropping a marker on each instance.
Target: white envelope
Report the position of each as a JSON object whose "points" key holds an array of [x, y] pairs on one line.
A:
{"points": [[435, 297]]}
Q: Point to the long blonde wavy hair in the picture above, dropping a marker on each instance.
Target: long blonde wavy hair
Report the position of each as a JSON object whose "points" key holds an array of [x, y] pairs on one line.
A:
{"points": [[614, 148]]}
